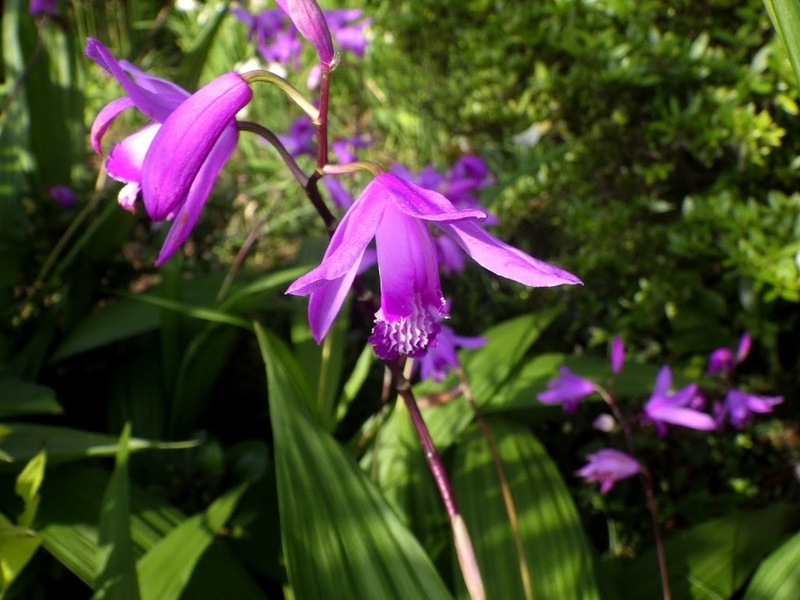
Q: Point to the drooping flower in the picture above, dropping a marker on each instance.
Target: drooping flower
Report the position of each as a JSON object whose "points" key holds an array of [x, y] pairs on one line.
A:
{"points": [[617, 354], [675, 409], [607, 467], [175, 160], [740, 406], [396, 213], [568, 390], [63, 195], [310, 21]]}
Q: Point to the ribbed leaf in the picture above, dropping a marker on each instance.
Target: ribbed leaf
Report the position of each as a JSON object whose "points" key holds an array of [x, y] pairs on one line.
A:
{"points": [[17, 546], [71, 503], [117, 573], [340, 538], [711, 560], [785, 15], [778, 577], [166, 569], [556, 552]]}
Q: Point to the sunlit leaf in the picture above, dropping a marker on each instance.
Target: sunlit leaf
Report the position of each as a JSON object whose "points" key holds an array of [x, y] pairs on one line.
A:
{"points": [[556, 553], [338, 532], [778, 577]]}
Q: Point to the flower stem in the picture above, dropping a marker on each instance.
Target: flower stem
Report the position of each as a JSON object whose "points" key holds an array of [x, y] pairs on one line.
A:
{"points": [[321, 123], [291, 91], [278, 145], [463, 543], [647, 483]]}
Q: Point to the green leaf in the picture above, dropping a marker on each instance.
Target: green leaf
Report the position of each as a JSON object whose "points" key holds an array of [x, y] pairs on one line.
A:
{"points": [[778, 578], [117, 568], [339, 535], [71, 503], [17, 547], [19, 398], [166, 569], [557, 554], [711, 560], [21, 441], [121, 320], [785, 15], [28, 483]]}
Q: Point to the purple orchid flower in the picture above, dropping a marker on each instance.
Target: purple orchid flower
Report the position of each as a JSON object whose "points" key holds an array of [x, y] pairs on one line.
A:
{"points": [[442, 357], [349, 34], [175, 160], [396, 214], [63, 195], [740, 407], [617, 354], [43, 7], [607, 467], [722, 360], [674, 409], [568, 390], [299, 140]]}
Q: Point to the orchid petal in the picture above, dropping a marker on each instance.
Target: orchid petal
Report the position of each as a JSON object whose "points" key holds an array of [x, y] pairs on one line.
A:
{"points": [[663, 382], [149, 103], [124, 162], [185, 139], [189, 212], [353, 234], [505, 260], [104, 118], [420, 203], [684, 416], [309, 19], [325, 302]]}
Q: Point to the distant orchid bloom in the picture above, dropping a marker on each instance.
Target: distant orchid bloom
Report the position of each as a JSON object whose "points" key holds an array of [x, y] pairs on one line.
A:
{"points": [[617, 354], [174, 160], [396, 213], [43, 7], [568, 390], [740, 407], [607, 467], [442, 358], [348, 31], [63, 195], [299, 140], [663, 407], [722, 360]]}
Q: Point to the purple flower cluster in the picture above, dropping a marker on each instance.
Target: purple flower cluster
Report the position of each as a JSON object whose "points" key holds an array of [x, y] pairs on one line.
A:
{"points": [[607, 467], [738, 406]]}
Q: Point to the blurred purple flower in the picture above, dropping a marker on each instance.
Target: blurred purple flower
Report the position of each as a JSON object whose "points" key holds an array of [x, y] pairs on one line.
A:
{"points": [[175, 160], [617, 354], [723, 361], [663, 407], [607, 467], [63, 195], [349, 34], [568, 390], [299, 139], [43, 7], [442, 357], [396, 213], [740, 407]]}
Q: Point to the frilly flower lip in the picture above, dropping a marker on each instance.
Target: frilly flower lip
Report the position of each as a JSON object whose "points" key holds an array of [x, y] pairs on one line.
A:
{"points": [[174, 160], [395, 213]]}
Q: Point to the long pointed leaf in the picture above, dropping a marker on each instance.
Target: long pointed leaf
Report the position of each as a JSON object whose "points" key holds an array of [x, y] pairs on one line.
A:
{"points": [[340, 537]]}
